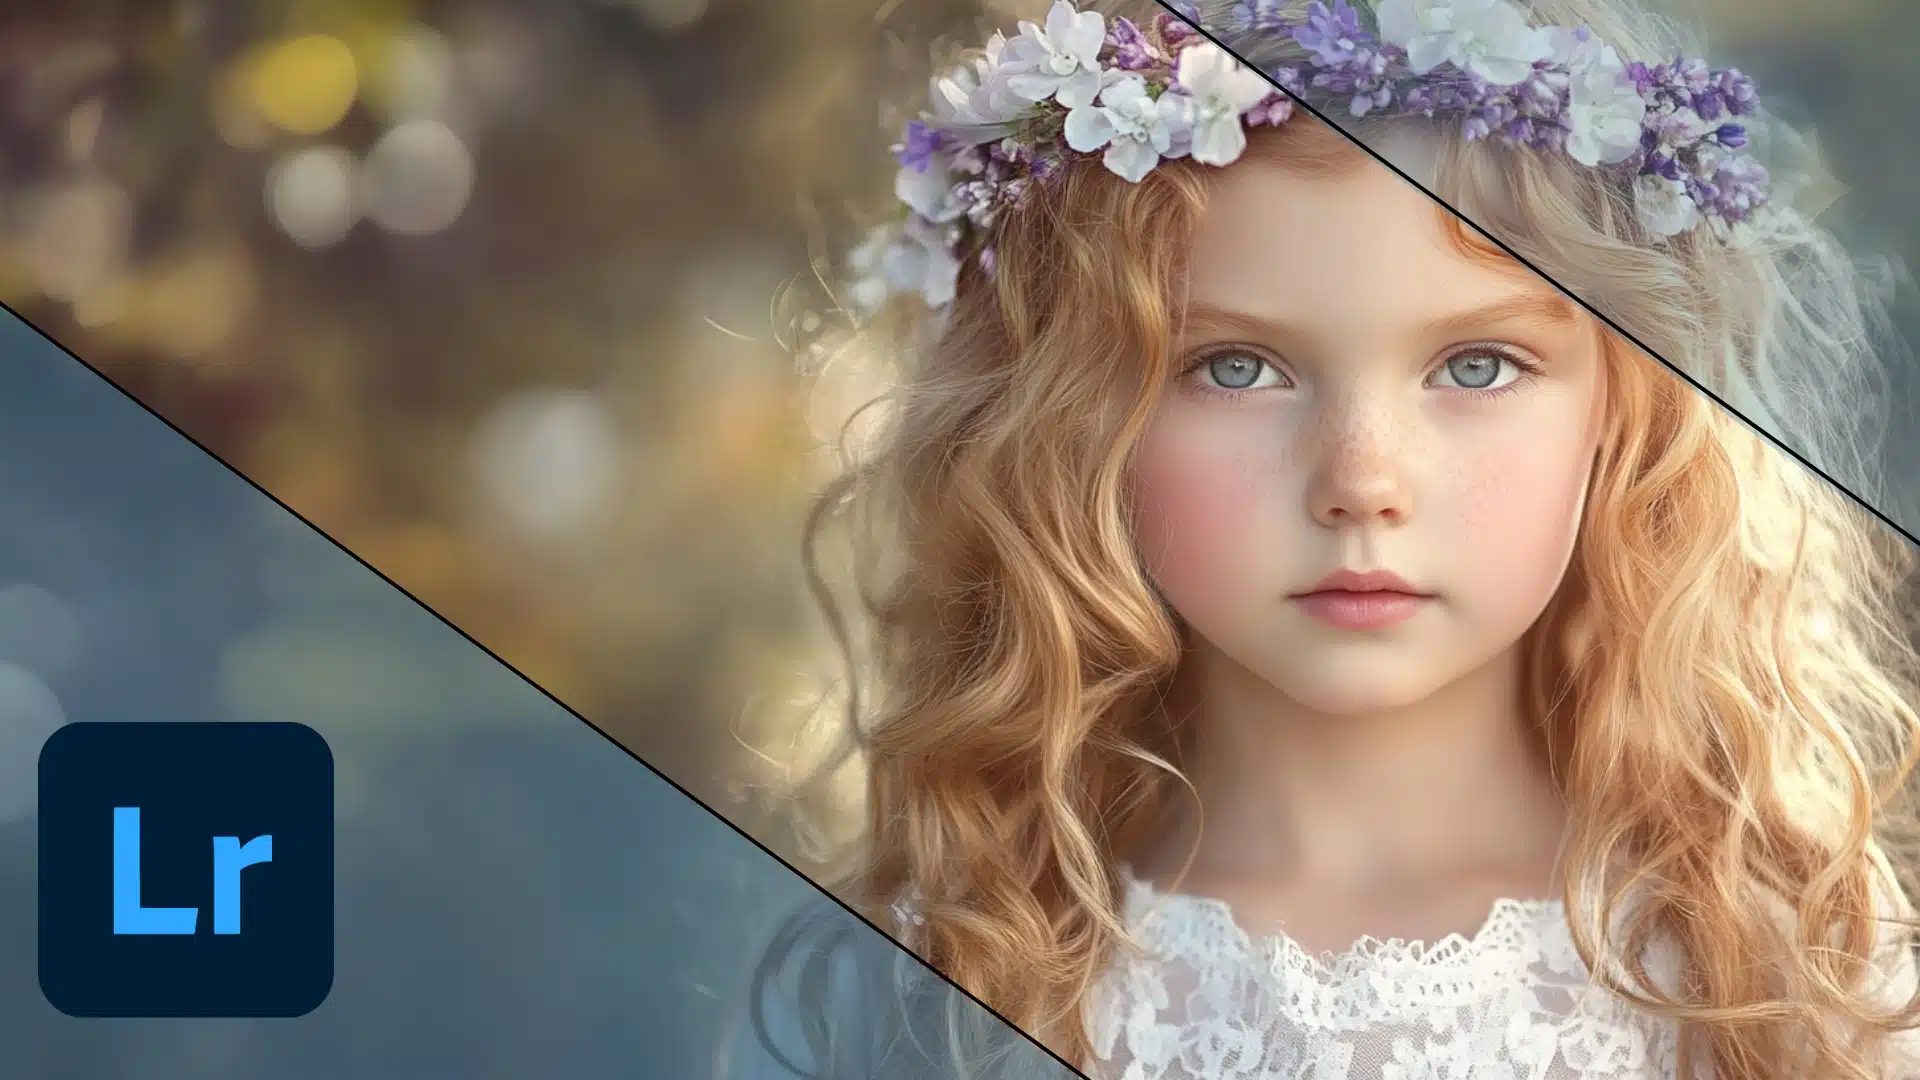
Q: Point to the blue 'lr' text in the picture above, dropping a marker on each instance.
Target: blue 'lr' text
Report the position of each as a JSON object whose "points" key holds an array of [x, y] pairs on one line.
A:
{"points": [[230, 857]]}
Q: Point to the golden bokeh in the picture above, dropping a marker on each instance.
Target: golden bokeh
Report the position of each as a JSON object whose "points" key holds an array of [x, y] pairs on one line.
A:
{"points": [[305, 85]]}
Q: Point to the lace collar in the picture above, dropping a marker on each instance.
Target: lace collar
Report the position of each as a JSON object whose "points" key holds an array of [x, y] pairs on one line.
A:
{"points": [[1511, 940], [1204, 998]]}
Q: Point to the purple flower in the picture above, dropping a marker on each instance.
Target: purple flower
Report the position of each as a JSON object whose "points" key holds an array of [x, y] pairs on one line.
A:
{"points": [[1534, 134], [1736, 190], [1187, 9], [1363, 80], [1538, 98], [1277, 109], [1690, 84], [1731, 136], [1738, 91], [1695, 75], [980, 199], [1333, 35], [1420, 99], [1255, 16], [1131, 49], [1174, 32], [1289, 79], [917, 149]]}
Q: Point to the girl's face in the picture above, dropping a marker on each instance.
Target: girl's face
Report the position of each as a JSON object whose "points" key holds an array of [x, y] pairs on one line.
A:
{"points": [[1353, 394]]}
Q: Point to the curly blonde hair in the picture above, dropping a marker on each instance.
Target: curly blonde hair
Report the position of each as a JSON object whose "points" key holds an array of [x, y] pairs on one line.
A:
{"points": [[1728, 633]]}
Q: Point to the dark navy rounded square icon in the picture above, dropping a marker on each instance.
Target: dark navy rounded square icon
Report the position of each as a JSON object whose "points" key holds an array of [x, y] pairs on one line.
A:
{"points": [[186, 869]]}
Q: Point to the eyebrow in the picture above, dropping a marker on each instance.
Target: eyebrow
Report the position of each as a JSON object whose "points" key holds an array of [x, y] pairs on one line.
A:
{"points": [[1544, 309], [1547, 309]]}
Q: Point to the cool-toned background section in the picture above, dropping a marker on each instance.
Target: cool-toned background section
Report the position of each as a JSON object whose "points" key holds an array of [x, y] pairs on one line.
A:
{"points": [[484, 288], [516, 896]]}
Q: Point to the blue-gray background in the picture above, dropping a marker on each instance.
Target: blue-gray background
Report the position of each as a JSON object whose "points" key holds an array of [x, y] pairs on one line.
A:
{"points": [[516, 896]]}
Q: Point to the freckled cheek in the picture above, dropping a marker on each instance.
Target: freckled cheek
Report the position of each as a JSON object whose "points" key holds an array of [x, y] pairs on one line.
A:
{"points": [[1517, 516], [1206, 511]]}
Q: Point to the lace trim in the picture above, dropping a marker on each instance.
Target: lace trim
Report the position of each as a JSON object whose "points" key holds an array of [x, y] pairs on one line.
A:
{"points": [[1203, 998], [1509, 933]]}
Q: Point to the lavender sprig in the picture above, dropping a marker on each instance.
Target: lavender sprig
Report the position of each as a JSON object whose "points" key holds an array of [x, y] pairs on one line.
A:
{"points": [[917, 148]]}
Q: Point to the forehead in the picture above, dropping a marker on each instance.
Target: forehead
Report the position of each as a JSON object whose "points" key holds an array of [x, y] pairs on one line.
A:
{"points": [[1357, 242]]}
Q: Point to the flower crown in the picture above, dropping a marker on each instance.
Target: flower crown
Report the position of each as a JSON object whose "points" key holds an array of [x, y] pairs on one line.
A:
{"points": [[1137, 96]]}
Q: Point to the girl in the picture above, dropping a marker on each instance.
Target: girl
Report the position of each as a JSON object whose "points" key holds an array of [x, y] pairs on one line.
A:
{"points": [[1308, 644]]}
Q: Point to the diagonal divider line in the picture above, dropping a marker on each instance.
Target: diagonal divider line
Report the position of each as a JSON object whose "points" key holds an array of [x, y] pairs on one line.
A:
{"points": [[1311, 110], [544, 692], [1605, 320]]}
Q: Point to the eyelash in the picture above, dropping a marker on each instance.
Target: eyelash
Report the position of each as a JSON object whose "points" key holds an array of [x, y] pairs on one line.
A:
{"points": [[1527, 367]]}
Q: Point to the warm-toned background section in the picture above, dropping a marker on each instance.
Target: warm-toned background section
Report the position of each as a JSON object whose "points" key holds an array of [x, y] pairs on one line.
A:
{"points": [[485, 289]]}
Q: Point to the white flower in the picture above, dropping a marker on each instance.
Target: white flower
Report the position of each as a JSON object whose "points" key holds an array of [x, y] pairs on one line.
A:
{"points": [[914, 257], [930, 192], [1136, 129], [1663, 205], [1604, 107], [1490, 38], [1060, 61], [1221, 91], [922, 261], [978, 96]]}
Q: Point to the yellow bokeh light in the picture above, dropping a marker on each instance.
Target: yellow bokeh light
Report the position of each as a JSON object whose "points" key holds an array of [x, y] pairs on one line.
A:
{"points": [[305, 85]]}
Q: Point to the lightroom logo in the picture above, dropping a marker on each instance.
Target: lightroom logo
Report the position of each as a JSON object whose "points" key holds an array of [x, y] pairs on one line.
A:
{"points": [[186, 869]]}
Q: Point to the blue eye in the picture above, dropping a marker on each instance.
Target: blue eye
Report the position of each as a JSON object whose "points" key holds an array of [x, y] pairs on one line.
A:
{"points": [[1236, 369], [1479, 368]]}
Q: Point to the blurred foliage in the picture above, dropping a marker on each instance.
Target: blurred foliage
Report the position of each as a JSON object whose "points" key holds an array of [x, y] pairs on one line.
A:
{"points": [[484, 289]]}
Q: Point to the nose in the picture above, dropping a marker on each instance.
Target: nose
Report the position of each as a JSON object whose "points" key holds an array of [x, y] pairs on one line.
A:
{"points": [[1360, 476]]}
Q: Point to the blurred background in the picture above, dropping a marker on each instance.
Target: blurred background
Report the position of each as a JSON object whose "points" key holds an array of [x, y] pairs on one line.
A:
{"points": [[513, 898], [486, 290]]}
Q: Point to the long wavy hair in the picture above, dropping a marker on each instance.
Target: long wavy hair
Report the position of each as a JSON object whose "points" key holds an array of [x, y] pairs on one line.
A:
{"points": [[1728, 635]]}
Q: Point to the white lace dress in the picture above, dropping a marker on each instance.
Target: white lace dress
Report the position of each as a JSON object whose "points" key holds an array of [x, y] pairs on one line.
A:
{"points": [[1206, 1000]]}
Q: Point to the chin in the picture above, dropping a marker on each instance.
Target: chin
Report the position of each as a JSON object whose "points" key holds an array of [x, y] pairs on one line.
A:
{"points": [[1354, 686]]}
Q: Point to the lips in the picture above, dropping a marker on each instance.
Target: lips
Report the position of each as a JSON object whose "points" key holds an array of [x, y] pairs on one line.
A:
{"points": [[1362, 600], [1364, 581]]}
